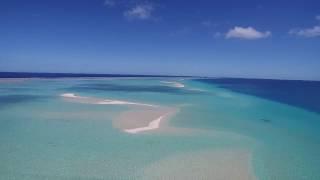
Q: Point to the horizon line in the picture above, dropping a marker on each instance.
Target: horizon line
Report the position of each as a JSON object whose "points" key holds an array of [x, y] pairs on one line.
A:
{"points": [[15, 74]]}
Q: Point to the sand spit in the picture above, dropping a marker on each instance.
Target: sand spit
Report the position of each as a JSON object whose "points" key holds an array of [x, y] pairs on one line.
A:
{"points": [[152, 125], [140, 120]]}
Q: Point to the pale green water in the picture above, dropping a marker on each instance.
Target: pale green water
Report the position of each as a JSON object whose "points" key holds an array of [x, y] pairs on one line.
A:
{"points": [[42, 136]]}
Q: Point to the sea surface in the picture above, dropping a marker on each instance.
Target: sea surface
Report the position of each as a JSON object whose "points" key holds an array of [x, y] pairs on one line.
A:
{"points": [[273, 125]]}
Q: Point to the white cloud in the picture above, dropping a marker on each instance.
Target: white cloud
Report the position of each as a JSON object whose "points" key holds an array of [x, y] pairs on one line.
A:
{"points": [[246, 33], [309, 32], [109, 3], [140, 11], [318, 17]]}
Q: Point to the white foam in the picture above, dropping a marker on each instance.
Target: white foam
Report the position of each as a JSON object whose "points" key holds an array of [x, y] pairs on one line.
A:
{"points": [[69, 95], [152, 125], [174, 84], [102, 101]]}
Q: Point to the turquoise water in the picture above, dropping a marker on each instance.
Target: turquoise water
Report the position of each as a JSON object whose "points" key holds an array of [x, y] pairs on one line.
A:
{"points": [[43, 136]]}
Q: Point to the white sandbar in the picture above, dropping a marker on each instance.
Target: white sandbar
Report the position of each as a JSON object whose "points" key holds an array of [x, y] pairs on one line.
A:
{"points": [[174, 84], [91, 100]]}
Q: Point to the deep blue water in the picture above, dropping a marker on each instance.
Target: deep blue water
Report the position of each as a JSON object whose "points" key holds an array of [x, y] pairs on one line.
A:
{"points": [[303, 94], [60, 75]]}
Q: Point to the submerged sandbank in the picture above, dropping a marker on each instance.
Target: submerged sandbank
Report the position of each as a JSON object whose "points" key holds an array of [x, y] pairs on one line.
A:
{"points": [[143, 117], [210, 164], [140, 118]]}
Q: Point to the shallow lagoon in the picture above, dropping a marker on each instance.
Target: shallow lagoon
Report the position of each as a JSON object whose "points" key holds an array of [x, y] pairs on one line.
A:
{"points": [[45, 136]]}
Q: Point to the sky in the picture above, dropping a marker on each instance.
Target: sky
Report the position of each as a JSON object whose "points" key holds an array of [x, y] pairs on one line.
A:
{"points": [[227, 38]]}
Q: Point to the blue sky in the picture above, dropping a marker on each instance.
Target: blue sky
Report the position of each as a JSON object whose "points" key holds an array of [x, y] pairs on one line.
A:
{"points": [[261, 39]]}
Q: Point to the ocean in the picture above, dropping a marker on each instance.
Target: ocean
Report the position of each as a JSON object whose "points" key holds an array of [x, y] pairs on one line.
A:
{"points": [[158, 128]]}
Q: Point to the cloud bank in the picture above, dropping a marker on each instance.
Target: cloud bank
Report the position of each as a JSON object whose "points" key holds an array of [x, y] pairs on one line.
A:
{"points": [[308, 32], [248, 33]]}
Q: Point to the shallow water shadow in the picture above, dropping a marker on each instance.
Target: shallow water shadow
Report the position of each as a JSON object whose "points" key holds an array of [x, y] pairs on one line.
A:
{"points": [[265, 120], [7, 100]]}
